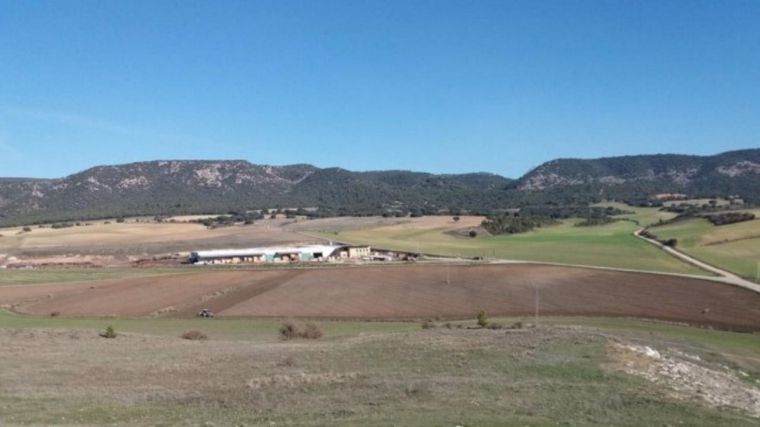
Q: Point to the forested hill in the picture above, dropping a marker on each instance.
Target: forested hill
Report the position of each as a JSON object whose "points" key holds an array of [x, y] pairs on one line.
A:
{"points": [[174, 187], [625, 177]]}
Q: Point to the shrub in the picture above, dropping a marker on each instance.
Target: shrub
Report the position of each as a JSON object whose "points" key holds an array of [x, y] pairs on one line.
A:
{"points": [[516, 325], [27, 229], [290, 330], [473, 234], [120, 220], [109, 333], [495, 326], [482, 319], [428, 325], [312, 332], [55, 314], [194, 336]]}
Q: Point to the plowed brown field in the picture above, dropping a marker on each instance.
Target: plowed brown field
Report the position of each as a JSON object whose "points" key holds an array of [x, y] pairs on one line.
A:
{"points": [[402, 292]]}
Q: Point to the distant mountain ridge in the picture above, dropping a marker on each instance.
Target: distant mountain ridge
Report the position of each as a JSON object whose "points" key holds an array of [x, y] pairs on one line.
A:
{"points": [[206, 186], [733, 172]]}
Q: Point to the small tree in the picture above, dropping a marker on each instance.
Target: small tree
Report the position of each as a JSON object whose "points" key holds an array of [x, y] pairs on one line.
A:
{"points": [[482, 319], [109, 333]]}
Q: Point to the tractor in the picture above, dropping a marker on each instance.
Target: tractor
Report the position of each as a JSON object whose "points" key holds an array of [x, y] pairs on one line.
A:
{"points": [[206, 313]]}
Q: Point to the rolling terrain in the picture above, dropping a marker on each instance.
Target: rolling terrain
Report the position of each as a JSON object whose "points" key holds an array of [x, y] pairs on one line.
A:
{"points": [[611, 245], [734, 247], [566, 371], [191, 187]]}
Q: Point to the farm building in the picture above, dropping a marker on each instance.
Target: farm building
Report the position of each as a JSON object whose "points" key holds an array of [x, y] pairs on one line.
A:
{"points": [[278, 254]]}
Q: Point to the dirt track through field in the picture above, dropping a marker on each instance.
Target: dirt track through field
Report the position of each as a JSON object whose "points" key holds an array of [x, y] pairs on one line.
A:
{"points": [[402, 292]]}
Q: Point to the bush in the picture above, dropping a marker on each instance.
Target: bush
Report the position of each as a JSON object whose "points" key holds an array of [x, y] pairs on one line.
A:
{"points": [[194, 336], [55, 314], [516, 325], [473, 234], [495, 326], [428, 325], [312, 332], [109, 333], [27, 229], [288, 331], [291, 330], [482, 319]]}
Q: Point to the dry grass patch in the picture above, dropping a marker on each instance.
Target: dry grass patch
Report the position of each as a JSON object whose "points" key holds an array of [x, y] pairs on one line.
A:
{"points": [[292, 330], [194, 336]]}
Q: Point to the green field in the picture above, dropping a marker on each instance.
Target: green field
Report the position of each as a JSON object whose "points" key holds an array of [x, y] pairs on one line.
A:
{"points": [[734, 247], [610, 245], [28, 277], [360, 373]]}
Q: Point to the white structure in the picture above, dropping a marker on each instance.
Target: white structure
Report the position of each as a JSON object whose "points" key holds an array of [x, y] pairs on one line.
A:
{"points": [[274, 254]]}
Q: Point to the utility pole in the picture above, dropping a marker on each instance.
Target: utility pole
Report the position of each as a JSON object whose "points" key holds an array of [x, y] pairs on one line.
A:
{"points": [[536, 298], [537, 303]]}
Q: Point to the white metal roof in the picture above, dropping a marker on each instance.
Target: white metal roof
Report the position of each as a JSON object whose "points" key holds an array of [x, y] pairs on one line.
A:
{"points": [[326, 250]]}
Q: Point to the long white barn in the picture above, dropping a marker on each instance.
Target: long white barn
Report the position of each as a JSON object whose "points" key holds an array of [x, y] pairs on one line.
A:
{"points": [[277, 254]]}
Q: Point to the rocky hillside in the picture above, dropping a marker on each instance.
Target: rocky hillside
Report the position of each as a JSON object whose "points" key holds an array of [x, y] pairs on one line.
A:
{"points": [[173, 187], [735, 172], [169, 187]]}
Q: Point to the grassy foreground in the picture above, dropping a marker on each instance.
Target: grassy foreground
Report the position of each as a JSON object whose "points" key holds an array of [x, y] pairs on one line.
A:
{"points": [[360, 373]]}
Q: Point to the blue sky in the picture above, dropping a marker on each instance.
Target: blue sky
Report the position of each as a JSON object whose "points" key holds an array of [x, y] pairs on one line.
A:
{"points": [[441, 86]]}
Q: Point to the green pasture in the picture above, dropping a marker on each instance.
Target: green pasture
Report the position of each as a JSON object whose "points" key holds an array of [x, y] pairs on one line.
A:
{"points": [[734, 247], [37, 276], [610, 245]]}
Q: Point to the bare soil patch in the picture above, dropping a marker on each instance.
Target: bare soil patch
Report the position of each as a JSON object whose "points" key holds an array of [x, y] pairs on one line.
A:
{"points": [[133, 297], [401, 292]]}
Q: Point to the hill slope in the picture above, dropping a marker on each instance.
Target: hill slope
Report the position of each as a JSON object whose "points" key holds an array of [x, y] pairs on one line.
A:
{"points": [[170, 187], [166, 187], [735, 172]]}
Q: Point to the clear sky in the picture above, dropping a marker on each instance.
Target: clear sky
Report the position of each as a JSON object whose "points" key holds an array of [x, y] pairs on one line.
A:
{"points": [[440, 86]]}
